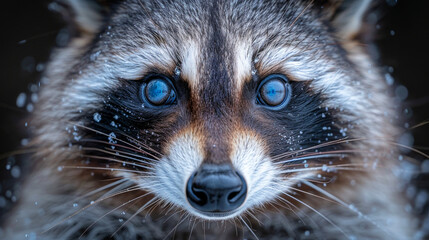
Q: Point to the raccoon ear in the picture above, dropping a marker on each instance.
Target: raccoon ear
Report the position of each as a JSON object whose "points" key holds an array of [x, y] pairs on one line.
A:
{"points": [[347, 16], [83, 16]]}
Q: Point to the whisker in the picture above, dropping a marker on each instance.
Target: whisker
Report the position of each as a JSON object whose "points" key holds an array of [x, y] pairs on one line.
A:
{"points": [[87, 206], [120, 140], [310, 157], [341, 202], [330, 143], [317, 212], [175, 227], [18, 152], [299, 15], [244, 222], [326, 168], [116, 208], [312, 194], [135, 214], [139, 150], [117, 160], [116, 153], [105, 168]]}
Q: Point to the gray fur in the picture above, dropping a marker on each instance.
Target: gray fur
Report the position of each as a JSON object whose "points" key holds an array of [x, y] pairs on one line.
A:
{"points": [[286, 36]]}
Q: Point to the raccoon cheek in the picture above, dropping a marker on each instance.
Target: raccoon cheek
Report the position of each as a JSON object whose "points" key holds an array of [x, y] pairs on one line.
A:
{"points": [[184, 155], [249, 157]]}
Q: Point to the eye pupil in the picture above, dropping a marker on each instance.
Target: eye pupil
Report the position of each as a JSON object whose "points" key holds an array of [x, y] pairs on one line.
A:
{"points": [[157, 92], [273, 92]]}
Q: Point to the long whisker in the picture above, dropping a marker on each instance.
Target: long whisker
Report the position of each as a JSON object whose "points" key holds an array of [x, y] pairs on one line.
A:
{"points": [[315, 156], [105, 168], [131, 148], [326, 144], [130, 154], [117, 160], [336, 199], [116, 208], [299, 15], [120, 140], [147, 204], [251, 231], [317, 212], [326, 168], [175, 227], [117, 153], [89, 205]]}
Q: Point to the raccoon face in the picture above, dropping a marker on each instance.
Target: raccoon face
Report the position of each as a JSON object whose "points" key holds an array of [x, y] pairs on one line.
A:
{"points": [[215, 108]]}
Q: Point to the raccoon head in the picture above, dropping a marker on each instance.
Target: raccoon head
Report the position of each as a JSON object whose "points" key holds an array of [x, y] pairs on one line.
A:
{"points": [[217, 108]]}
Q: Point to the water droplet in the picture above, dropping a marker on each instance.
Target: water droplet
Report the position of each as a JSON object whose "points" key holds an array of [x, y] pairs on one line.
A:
{"points": [[94, 56], [177, 71], [75, 205], [30, 107], [21, 99], [389, 79], [401, 92], [16, 172], [97, 117]]}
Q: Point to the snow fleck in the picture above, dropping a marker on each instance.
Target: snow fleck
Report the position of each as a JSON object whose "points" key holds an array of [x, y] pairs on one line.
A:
{"points": [[113, 124], [256, 60], [16, 172], [34, 97], [94, 56], [75, 204], [20, 100], [59, 168], [401, 92], [389, 79], [97, 117], [30, 107], [24, 142], [324, 168], [177, 71]]}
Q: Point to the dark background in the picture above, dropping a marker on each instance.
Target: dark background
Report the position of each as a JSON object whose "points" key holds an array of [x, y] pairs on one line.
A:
{"points": [[30, 30]]}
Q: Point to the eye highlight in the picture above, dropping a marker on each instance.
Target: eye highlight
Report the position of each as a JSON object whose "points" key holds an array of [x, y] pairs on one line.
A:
{"points": [[157, 91], [274, 92]]}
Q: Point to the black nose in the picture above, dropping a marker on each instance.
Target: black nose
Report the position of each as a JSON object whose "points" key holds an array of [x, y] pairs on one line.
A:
{"points": [[216, 188]]}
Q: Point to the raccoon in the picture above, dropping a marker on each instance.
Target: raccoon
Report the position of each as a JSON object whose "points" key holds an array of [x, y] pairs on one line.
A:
{"points": [[213, 120]]}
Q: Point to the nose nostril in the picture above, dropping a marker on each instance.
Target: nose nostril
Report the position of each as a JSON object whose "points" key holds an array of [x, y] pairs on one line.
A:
{"points": [[238, 195], [200, 196], [216, 188], [232, 197]]}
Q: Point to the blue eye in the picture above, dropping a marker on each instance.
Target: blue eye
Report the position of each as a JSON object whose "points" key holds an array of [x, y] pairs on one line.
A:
{"points": [[158, 91], [274, 92]]}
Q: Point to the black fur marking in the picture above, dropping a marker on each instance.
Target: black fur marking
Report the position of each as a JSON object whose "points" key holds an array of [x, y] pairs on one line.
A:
{"points": [[217, 91], [303, 123]]}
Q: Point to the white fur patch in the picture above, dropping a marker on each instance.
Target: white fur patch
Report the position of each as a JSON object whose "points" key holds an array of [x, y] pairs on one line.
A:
{"points": [[172, 172], [190, 63], [243, 64]]}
